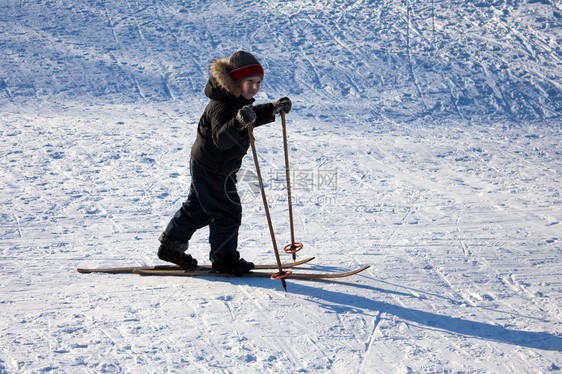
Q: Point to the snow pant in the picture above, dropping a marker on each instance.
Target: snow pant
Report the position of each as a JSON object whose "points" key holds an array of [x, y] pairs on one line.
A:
{"points": [[213, 200]]}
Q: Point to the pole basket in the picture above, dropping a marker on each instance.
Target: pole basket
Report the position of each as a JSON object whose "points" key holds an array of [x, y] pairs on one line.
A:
{"points": [[281, 275], [292, 248]]}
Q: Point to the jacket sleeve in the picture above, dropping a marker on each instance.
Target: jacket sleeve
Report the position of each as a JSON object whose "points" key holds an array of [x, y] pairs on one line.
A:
{"points": [[264, 113], [224, 127]]}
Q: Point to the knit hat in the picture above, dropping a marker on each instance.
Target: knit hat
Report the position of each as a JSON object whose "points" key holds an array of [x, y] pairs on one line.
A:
{"points": [[243, 64]]}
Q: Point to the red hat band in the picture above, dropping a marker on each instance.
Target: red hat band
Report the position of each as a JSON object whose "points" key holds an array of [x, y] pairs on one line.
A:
{"points": [[246, 71]]}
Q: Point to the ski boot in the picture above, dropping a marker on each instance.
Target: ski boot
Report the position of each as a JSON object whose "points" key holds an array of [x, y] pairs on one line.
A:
{"points": [[232, 264], [174, 252]]}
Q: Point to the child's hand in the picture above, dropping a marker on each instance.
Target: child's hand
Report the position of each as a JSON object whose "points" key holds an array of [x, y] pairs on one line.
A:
{"points": [[245, 116], [282, 105]]}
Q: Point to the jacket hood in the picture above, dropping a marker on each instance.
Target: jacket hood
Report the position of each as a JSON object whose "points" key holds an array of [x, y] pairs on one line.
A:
{"points": [[221, 80]]}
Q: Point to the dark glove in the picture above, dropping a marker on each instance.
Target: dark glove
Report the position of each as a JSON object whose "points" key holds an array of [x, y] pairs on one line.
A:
{"points": [[282, 105], [245, 116]]}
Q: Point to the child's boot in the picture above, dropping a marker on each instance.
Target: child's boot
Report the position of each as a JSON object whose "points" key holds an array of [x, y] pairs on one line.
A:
{"points": [[174, 252], [231, 263]]}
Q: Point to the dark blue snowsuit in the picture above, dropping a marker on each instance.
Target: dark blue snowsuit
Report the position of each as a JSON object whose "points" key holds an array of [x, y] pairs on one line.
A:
{"points": [[216, 156]]}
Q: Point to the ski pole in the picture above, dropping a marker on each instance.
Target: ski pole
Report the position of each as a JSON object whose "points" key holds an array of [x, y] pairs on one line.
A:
{"points": [[281, 274], [293, 247]]}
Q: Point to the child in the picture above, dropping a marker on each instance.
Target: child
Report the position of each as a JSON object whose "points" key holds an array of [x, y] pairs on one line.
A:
{"points": [[221, 143]]}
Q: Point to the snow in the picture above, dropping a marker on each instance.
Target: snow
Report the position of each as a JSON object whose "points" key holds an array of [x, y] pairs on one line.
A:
{"points": [[425, 141]]}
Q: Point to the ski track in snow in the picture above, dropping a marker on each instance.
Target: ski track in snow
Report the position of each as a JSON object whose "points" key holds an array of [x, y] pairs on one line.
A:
{"points": [[425, 142]]}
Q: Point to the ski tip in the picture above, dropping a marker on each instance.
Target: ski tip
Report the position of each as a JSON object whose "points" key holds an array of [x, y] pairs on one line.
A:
{"points": [[362, 269]]}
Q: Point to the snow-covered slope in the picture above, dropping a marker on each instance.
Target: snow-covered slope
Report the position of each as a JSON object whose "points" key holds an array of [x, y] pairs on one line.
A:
{"points": [[380, 59], [425, 142]]}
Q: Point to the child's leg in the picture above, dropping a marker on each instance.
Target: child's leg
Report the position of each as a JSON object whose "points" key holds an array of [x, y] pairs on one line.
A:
{"points": [[220, 201], [189, 218], [181, 227], [223, 229]]}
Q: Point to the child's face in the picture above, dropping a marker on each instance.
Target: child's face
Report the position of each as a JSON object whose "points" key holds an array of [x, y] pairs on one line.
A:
{"points": [[250, 86]]}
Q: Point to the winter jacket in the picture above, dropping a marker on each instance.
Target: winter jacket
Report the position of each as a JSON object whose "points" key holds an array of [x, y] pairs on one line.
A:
{"points": [[220, 144]]}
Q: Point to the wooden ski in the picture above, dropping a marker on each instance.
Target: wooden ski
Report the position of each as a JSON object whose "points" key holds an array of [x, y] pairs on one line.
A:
{"points": [[133, 269], [255, 274]]}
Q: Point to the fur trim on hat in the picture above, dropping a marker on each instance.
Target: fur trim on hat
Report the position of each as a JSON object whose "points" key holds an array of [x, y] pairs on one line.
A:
{"points": [[220, 69]]}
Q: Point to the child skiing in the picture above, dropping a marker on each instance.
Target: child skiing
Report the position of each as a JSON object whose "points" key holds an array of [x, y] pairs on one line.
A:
{"points": [[221, 143]]}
